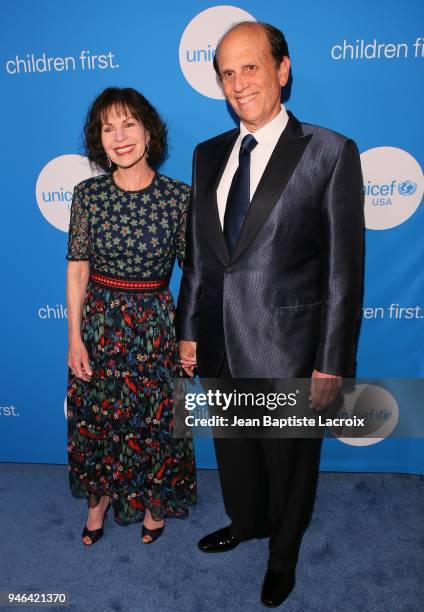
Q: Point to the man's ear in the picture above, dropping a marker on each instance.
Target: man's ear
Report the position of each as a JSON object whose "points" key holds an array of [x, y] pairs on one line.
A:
{"points": [[284, 71]]}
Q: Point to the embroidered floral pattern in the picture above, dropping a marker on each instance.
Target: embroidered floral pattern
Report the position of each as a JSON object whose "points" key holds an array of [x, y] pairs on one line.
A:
{"points": [[120, 439], [129, 233]]}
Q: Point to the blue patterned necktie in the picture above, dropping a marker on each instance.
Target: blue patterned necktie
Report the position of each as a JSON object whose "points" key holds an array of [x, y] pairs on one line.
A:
{"points": [[238, 200]]}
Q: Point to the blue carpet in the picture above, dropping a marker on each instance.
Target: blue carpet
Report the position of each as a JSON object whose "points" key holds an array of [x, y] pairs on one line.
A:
{"points": [[364, 550]]}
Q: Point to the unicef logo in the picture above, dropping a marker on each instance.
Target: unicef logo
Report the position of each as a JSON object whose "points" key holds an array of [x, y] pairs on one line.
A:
{"points": [[55, 185], [390, 197], [198, 44], [407, 188], [377, 407]]}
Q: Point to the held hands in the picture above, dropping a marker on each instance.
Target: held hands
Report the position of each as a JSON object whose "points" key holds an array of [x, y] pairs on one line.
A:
{"points": [[187, 350], [324, 389], [78, 360]]}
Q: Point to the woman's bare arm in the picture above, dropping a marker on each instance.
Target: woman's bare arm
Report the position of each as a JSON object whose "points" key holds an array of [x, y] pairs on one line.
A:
{"points": [[76, 285]]}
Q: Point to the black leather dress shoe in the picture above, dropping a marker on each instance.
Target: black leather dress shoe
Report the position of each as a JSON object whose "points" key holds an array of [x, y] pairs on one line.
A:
{"points": [[277, 587], [218, 541]]}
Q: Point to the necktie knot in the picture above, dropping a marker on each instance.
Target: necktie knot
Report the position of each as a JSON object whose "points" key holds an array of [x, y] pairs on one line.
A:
{"points": [[248, 143]]}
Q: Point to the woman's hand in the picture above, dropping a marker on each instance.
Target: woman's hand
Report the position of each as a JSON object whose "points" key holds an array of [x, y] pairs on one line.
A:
{"points": [[187, 351], [78, 360]]}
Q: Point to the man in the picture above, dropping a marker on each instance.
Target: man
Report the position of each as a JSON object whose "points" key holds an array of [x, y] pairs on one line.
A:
{"points": [[271, 284]]}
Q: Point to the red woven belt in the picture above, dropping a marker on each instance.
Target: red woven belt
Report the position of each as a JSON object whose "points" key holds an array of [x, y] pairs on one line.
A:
{"points": [[123, 284]]}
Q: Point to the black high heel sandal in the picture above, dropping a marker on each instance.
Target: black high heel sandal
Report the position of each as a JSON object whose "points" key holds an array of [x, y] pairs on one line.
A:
{"points": [[94, 534], [152, 533]]}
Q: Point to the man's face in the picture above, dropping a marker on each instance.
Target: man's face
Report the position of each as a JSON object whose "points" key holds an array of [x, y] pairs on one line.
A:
{"points": [[250, 79]]}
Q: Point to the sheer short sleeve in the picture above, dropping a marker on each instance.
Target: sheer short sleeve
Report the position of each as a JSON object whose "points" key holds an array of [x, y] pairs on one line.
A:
{"points": [[185, 196], [79, 239]]}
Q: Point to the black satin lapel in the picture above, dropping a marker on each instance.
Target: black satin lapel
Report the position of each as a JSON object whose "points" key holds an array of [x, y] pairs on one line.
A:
{"points": [[217, 166], [282, 163]]}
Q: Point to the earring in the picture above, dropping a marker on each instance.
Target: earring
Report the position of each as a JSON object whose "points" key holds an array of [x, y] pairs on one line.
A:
{"points": [[109, 163], [147, 149]]}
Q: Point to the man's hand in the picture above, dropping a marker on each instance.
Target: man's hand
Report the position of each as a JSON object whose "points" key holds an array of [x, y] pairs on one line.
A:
{"points": [[324, 389], [187, 350]]}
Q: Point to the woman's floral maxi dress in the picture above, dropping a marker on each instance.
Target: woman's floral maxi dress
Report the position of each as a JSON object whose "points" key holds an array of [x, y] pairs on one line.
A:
{"points": [[120, 423]]}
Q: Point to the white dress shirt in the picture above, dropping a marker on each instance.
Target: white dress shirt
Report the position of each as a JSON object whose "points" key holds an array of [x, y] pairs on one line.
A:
{"points": [[266, 137]]}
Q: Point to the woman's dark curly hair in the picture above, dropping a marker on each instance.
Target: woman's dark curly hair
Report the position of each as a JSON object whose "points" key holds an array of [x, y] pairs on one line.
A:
{"points": [[124, 101]]}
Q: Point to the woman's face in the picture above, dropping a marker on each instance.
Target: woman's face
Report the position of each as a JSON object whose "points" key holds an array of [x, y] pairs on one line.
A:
{"points": [[124, 138]]}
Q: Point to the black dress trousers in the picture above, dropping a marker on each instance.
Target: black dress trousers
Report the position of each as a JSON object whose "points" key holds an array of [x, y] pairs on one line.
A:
{"points": [[268, 487]]}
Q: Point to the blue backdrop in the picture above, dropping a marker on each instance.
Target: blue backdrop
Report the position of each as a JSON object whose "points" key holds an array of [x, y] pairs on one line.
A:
{"points": [[357, 68]]}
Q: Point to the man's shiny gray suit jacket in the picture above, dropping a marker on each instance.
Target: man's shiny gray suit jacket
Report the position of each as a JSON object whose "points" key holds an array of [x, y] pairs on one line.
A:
{"points": [[288, 299]]}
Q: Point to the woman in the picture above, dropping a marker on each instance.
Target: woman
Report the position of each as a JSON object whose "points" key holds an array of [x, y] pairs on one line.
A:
{"points": [[127, 227]]}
